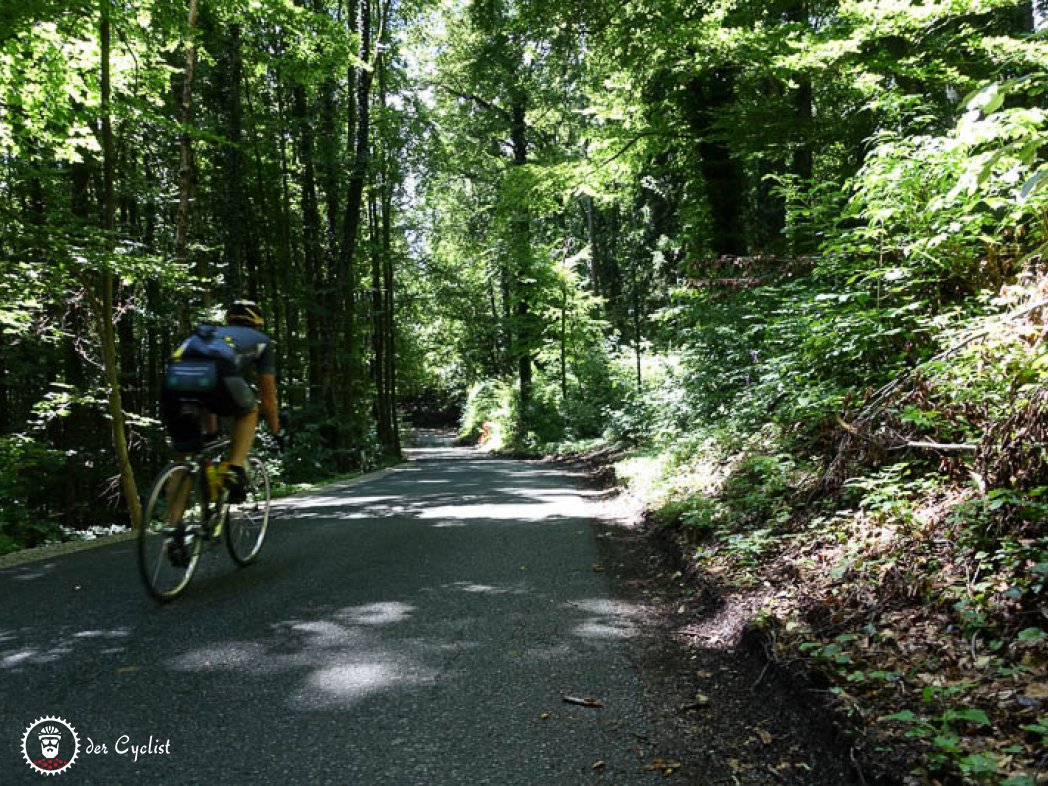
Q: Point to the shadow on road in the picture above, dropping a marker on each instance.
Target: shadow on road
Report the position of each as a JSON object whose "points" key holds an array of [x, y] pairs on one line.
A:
{"points": [[424, 625]]}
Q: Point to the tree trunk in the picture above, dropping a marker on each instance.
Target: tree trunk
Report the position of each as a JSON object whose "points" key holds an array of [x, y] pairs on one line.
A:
{"points": [[564, 342], [383, 286], [591, 237], [723, 174], [390, 324], [312, 250], [522, 252], [378, 362], [104, 313], [186, 170], [236, 213], [285, 257], [358, 149]]}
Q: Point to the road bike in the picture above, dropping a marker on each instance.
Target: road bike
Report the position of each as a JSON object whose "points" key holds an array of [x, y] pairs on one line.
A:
{"points": [[187, 508]]}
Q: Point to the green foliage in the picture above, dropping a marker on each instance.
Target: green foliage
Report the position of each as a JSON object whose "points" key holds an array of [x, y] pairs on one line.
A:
{"points": [[947, 209], [495, 419], [757, 490], [482, 405], [27, 469], [941, 732]]}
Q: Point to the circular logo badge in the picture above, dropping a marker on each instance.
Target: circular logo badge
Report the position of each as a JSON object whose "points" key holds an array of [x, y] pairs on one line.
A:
{"points": [[50, 745]]}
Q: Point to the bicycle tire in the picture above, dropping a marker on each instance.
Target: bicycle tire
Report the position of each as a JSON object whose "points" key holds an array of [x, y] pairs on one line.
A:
{"points": [[165, 566], [248, 522]]}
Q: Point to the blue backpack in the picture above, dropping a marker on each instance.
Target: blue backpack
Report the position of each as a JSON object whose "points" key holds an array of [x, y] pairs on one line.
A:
{"points": [[201, 361]]}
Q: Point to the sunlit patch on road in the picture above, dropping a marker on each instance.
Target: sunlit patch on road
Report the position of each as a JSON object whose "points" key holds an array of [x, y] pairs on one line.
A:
{"points": [[539, 506], [485, 589], [328, 501], [385, 613], [347, 683], [59, 644], [610, 619]]}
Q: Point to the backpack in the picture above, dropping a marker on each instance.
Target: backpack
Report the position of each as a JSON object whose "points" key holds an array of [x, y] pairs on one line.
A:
{"points": [[201, 361]]}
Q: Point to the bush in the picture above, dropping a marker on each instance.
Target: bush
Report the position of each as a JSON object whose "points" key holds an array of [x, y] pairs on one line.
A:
{"points": [[756, 489], [26, 469], [482, 402], [494, 418], [311, 456]]}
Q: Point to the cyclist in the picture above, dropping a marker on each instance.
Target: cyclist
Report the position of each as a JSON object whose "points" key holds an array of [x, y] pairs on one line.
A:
{"points": [[208, 370]]}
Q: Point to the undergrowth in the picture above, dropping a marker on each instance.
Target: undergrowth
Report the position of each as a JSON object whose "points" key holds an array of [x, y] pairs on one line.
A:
{"points": [[899, 548]]}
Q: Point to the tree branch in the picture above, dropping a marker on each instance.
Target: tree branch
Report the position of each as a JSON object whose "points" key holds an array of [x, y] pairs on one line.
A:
{"points": [[481, 102], [949, 447]]}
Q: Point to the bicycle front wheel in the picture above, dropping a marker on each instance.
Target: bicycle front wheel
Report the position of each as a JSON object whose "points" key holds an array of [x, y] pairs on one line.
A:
{"points": [[248, 521], [169, 541]]}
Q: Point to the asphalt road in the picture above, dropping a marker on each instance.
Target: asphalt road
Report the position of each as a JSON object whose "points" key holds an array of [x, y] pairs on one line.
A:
{"points": [[420, 627]]}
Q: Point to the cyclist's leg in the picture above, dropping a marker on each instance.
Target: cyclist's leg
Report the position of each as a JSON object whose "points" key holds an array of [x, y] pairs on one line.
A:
{"points": [[182, 418], [243, 436], [234, 398], [209, 423], [177, 491]]}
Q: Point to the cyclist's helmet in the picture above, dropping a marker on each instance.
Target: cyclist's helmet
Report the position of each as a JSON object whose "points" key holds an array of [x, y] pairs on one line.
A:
{"points": [[244, 312]]}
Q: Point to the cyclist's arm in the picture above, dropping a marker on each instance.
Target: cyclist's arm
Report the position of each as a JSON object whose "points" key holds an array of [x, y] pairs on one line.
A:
{"points": [[267, 394]]}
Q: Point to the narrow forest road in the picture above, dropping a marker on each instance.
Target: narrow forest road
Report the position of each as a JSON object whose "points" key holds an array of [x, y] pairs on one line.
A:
{"points": [[420, 627]]}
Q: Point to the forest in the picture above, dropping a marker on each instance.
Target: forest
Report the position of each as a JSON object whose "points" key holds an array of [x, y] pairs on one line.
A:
{"points": [[780, 263]]}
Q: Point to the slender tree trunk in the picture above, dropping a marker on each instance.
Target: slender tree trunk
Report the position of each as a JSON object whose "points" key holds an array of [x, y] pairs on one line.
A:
{"points": [[378, 362], [285, 312], [358, 147], [723, 174], [287, 263], [383, 287], [186, 169], [312, 250], [331, 166], [104, 312], [564, 342], [390, 324], [635, 314], [236, 213], [522, 261], [592, 240]]}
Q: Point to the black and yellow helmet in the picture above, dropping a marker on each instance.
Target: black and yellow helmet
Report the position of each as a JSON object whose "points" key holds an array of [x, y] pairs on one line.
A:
{"points": [[244, 312]]}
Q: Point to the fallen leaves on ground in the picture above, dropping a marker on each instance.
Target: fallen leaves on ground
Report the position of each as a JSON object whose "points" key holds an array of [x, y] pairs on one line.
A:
{"points": [[765, 736], [665, 766], [930, 654]]}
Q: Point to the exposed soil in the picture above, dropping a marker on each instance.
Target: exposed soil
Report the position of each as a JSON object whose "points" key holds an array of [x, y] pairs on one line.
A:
{"points": [[724, 713]]}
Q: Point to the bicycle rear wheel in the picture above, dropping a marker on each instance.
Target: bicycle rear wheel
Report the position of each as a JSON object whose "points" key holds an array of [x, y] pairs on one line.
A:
{"points": [[169, 541], [248, 521]]}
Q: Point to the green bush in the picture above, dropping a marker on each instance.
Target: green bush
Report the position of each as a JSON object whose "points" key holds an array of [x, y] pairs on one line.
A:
{"points": [[756, 491], [482, 404], [27, 468], [495, 419]]}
